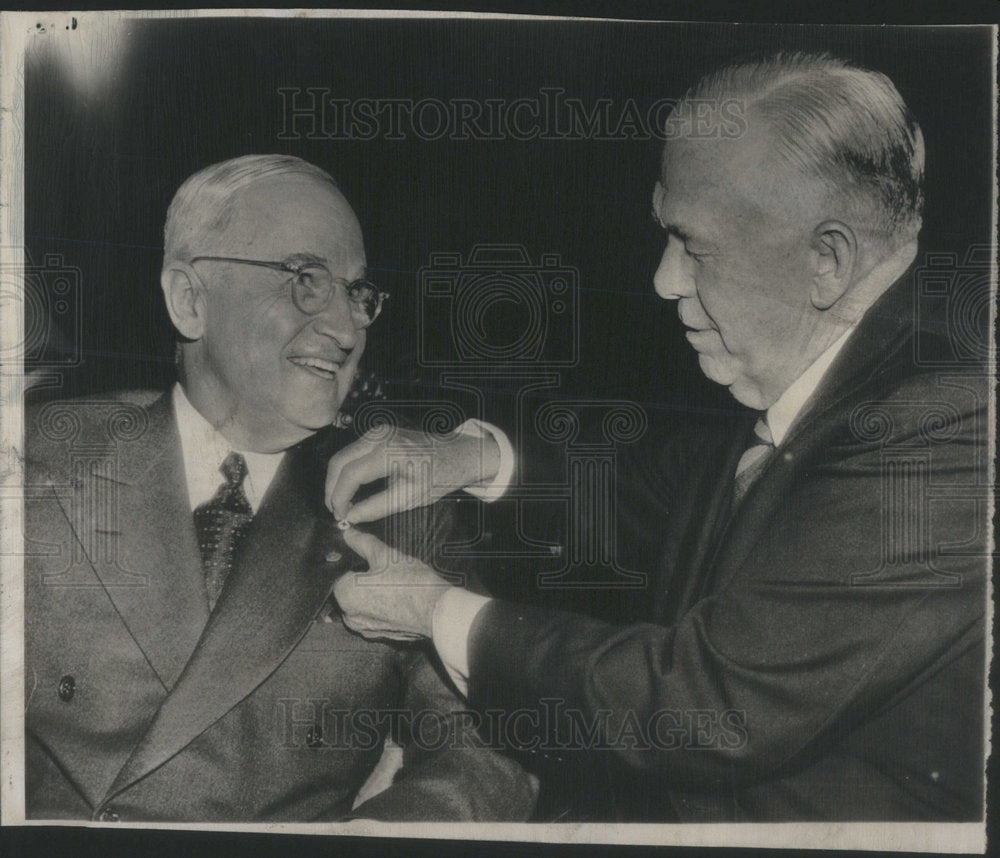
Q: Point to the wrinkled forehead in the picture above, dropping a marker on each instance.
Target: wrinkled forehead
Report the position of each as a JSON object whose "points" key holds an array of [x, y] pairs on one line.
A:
{"points": [[279, 217], [741, 175], [695, 181], [715, 161]]}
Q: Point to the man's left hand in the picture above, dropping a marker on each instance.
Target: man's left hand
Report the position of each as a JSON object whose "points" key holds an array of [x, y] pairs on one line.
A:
{"points": [[421, 468], [395, 599]]}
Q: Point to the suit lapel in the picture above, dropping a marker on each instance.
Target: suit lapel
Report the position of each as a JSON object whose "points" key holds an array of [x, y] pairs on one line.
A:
{"points": [[698, 508], [886, 325], [709, 513], [154, 576], [281, 581]]}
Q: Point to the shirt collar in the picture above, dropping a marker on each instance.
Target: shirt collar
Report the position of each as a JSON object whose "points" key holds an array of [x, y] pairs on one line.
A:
{"points": [[781, 415], [204, 448]]}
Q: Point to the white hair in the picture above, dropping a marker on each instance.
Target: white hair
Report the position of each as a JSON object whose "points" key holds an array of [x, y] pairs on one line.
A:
{"points": [[845, 125], [203, 204]]}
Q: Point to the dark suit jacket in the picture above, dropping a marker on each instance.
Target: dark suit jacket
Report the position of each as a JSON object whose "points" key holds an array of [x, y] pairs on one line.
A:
{"points": [[816, 654], [141, 706]]}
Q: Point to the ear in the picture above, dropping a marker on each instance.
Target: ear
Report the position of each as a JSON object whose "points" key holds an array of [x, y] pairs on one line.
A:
{"points": [[184, 295], [659, 192], [835, 256]]}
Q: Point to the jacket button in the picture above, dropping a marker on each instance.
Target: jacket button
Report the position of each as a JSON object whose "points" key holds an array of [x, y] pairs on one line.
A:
{"points": [[67, 687], [108, 815]]}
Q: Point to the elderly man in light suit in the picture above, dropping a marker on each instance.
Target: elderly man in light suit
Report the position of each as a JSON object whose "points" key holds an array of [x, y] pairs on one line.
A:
{"points": [[807, 595], [183, 659]]}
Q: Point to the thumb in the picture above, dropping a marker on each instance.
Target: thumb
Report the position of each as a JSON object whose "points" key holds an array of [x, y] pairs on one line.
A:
{"points": [[368, 546]]}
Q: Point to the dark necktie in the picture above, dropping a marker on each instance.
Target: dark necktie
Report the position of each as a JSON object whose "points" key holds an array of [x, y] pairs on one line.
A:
{"points": [[220, 524], [753, 460]]}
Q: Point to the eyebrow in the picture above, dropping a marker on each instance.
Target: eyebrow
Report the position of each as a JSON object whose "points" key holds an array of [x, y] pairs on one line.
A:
{"points": [[671, 228], [312, 258], [304, 259], [683, 235]]}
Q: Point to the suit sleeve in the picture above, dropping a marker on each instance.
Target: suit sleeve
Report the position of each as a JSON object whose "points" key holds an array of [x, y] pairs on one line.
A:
{"points": [[449, 772], [817, 628]]}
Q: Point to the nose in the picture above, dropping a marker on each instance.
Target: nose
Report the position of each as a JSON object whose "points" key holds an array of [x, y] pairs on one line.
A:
{"points": [[336, 321], [674, 278]]}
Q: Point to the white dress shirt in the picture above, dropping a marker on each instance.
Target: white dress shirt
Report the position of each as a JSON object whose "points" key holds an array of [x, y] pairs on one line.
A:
{"points": [[204, 449], [505, 472], [457, 609], [789, 405]]}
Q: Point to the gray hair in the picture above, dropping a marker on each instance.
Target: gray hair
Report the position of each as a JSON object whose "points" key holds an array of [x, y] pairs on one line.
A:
{"points": [[843, 124], [203, 204]]}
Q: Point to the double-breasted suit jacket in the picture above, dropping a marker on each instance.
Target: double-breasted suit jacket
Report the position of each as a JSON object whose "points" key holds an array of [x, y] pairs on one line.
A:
{"points": [[141, 704]]}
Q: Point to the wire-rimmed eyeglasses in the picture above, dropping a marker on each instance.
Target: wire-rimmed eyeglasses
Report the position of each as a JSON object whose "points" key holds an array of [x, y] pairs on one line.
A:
{"points": [[312, 286]]}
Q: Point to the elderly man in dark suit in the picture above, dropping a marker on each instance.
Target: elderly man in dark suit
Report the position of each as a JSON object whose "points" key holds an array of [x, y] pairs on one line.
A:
{"points": [[812, 641], [182, 658]]}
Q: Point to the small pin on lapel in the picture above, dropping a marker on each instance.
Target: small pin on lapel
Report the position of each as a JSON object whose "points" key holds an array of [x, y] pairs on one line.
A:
{"points": [[334, 557]]}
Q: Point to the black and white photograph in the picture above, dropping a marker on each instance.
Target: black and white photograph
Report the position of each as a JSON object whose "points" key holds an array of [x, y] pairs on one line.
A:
{"points": [[495, 427]]}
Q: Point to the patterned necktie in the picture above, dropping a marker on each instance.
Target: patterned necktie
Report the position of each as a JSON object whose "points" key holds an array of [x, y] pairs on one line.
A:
{"points": [[221, 523], [753, 460]]}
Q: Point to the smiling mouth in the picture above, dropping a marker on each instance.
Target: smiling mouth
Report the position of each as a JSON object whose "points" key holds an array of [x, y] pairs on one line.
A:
{"points": [[317, 366]]}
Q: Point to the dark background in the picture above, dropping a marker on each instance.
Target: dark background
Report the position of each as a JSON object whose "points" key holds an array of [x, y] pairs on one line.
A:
{"points": [[104, 172], [101, 167]]}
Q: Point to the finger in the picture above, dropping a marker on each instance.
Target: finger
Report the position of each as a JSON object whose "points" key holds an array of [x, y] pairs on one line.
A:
{"points": [[385, 634], [339, 460], [344, 592], [401, 494], [353, 475], [355, 618], [373, 508], [337, 489], [368, 546], [379, 634]]}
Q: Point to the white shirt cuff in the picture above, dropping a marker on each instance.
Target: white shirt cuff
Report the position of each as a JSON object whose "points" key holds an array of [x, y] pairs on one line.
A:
{"points": [[505, 473], [450, 626]]}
